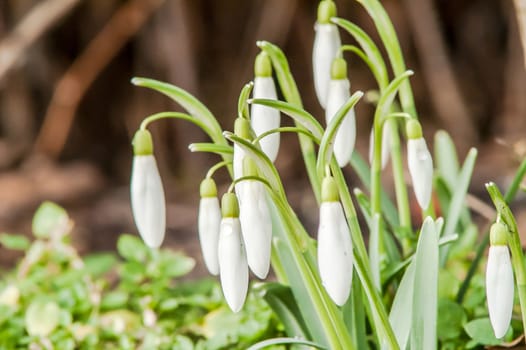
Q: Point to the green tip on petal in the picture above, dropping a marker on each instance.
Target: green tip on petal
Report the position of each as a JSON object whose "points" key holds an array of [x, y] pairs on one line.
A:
{"points": [[262, 65], [249, 167], [329, 190], [142, 143], [339, 69], [413, 129], [229, 206], [498, 234], [326, 10], [208, 188], [242, 128]]}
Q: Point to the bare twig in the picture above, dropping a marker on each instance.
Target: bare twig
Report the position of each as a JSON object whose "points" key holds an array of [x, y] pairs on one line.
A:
{"points": [[37, 22], [70, 89], [445, 93], [520, 10]]}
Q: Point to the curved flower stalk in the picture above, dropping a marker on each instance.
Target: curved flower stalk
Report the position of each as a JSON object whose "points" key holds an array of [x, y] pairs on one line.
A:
{"points": [[327, 42], [335, 259], [499, 280], [338, 94], [147, 194], [233, 268], [386, 144], [209, 219], [264, 118], [420, 164], [256, 223]]}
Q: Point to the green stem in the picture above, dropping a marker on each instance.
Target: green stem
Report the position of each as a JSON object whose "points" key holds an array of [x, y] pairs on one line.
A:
{"points": [[379, 315], [216, 167], [375, 239], [286, 129]]}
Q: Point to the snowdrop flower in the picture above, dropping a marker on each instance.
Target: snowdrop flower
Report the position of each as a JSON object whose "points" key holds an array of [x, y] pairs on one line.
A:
{"points": [[386, 144], [147, 194], [256, 224], [241, 129], [326, 45], [233, 268], [209, 219], [338, 94], [264, 118], [499, 280], [420, 164], [335, 260]]}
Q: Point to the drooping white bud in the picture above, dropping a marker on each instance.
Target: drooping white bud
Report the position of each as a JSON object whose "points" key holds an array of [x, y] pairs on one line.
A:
{"points": [[256, 226], [326, 45], [335, 259], [339, 93], [499, 281], [264, 118], [147, 200], [209, 219], [421, 170], [233, 267]]}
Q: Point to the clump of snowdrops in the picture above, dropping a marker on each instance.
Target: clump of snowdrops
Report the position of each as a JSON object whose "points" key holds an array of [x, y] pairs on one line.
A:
{"points": [[416, 285]]}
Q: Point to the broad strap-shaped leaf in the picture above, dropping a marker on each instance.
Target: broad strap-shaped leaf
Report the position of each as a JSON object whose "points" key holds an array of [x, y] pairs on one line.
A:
{"points": [[377, 64], [300, 116], [327, 140]]}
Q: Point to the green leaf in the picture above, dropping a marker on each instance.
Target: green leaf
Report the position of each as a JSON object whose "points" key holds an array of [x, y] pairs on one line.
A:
{"points": [[281, 67], [377, 65], [132, 248], [48, 219], [14, 241], [269, 342], [386, 99], [451, 319], [300, 116], [281, 300], [402, 308], [114, 300], [330, 133], [175, 264], [425, 294], [446, 159], [41, 318], [480, 331], [457, 201], [242, 106], [99, 263]]}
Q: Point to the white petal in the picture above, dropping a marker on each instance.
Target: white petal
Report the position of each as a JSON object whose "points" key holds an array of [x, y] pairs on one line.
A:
{"points": [[147, 200], [334, 252], [256, 227], [237, 166], [386, 144], [264, 118], [209, 219], [339, 93], [421, 170], [499, 289], [326, 45], [233, 269]]}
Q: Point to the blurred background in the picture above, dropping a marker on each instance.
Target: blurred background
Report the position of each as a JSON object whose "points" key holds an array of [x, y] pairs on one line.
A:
{"points": [[68, 110]]}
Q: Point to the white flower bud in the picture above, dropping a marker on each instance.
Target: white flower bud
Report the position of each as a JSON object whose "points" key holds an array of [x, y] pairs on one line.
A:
{"points": [[335, 257], [147, 200], [326, 45], [499, 288], [421, 170], [233, 268], [209, 220], [339, 93], [256, 226], [264, 118]]}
